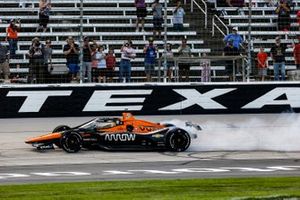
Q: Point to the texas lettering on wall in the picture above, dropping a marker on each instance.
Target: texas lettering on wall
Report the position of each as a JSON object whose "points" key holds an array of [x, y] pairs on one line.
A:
{"points": [[145, 99]]}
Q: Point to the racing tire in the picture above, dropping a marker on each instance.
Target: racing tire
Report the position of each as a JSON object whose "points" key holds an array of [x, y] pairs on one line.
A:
{"points": [[60, 128], [71, 142], [178, 140]]}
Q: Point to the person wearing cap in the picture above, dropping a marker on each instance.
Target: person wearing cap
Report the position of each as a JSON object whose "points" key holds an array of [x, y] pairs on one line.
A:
{"points": [[150, 52], [278, 57], [12, 36], [36, 54], [71, 52], [235, 37]]}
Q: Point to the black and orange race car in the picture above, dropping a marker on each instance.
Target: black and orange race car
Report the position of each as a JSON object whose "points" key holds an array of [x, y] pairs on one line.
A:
{"points": [[124, 133]]}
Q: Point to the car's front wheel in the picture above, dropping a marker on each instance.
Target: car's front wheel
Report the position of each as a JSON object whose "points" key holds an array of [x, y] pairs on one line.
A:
{"points": [[71, 142], [178, 140], [60, 128]]}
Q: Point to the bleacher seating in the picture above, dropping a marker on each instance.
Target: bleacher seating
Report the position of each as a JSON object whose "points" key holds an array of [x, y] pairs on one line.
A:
{"points": [[264, 27], [109, 22]]}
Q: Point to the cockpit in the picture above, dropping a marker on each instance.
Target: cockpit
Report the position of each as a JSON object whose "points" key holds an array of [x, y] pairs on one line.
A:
{"points": [[100, 123]]}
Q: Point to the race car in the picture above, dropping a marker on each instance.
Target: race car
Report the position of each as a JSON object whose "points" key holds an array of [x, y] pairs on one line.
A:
{"points": [[117, 133]]}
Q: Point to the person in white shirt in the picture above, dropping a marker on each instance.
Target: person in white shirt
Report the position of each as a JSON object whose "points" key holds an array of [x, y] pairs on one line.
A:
{"points": [[178, 14], [127, 54]]}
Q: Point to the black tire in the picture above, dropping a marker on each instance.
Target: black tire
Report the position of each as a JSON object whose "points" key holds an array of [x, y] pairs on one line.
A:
{"points": [[71, 142], [178, 140], [60, 128]]}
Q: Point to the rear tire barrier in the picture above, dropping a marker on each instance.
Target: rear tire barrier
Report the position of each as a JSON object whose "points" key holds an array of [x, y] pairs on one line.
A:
{"points": [[178, 140], [71, 142], [60, 128]]}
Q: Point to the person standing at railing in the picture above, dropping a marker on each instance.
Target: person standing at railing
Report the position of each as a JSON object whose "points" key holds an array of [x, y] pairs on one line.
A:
{"points": [[278, 57], [44, 13], [150, 52], [12, 36], [141, 13], [296, 54], [230, 50], [48, 58], [262, 63], [37, 70], [178, 14], [235, 38], [87, 59], [184, 51], [127, 54], [71, 52], [4, 62]]}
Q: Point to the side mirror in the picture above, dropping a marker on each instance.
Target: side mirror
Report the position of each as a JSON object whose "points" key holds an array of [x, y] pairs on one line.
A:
{"points": [[129, 128]]}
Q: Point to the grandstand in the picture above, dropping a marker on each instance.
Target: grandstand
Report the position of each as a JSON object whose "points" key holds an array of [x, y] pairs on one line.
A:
{"points": [[110, 23]]}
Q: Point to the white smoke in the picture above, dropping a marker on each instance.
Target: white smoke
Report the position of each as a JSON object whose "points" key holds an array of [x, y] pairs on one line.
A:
{"points": [[281, 134]]}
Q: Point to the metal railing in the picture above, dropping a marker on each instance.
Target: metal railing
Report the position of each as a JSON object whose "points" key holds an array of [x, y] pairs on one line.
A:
{"points": [[204, 11], [214, 25]]}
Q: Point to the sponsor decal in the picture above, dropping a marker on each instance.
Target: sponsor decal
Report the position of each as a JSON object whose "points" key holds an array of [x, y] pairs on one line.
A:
{"points": [[158, 135], [123, 137]]}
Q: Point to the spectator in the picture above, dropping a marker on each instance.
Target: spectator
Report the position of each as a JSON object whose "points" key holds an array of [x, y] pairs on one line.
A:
{"points": [[44, 12], [235, 37], [94, 63], [4, 62], [101, 67], [178, 15], [48, 58], [71, 51], [22, 3], [150, 52], [110, 64], [278, 57], [170, 63], [296, 53], [298, 19], [37, 61], [230, 50], [284, 19], [262, 63], [184, 68], [157, 18], [127, 54], [141, 13], [12, 36], [87, 59], [236, 3]]}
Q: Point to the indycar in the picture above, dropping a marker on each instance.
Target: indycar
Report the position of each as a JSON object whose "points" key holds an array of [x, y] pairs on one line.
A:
{"points": [[117, 133]]}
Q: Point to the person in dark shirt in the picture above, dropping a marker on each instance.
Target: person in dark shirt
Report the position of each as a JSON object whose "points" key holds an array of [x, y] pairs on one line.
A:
{"points": [[36, 54], [278, 57], [87, 59], [284, 18], [230, 50], [71, 51]]}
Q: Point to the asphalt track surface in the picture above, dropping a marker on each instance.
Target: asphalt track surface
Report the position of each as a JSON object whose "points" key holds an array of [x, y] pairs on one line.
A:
{"points": [[228, 146]]}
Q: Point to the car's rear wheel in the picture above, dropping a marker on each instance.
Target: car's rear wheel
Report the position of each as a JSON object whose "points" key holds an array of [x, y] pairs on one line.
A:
{"points": [[71, 142], [60, 128], [178, 140]]}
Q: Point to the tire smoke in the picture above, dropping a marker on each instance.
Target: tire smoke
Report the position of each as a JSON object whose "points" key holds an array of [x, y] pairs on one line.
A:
{"points": [[281, 134]]}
